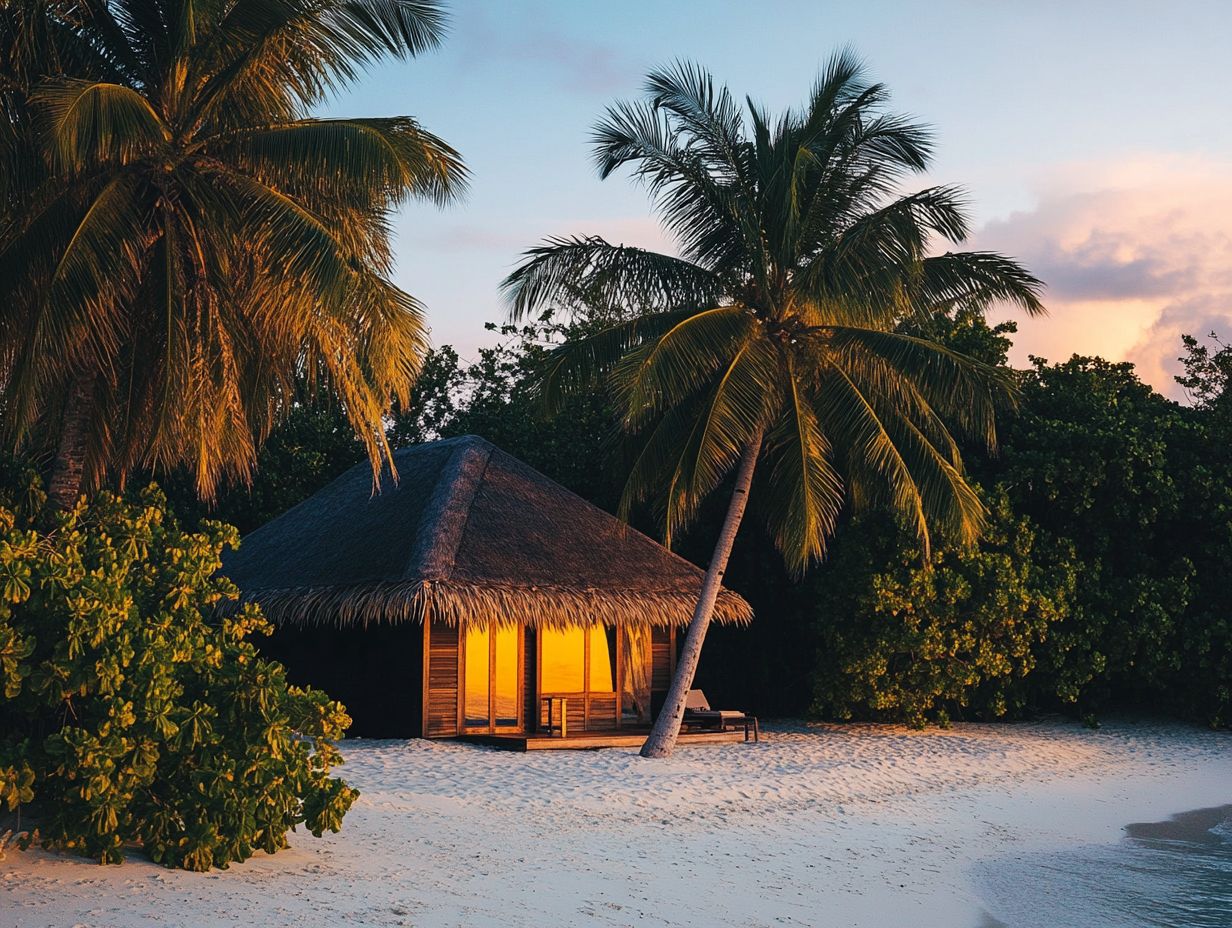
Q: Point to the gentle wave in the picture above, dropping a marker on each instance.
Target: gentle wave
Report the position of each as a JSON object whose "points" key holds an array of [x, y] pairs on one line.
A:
{"points": [[1173, 874]]}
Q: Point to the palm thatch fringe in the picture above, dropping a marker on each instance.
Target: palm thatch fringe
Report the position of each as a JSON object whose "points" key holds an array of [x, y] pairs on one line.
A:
{"points": [[479, 605]]}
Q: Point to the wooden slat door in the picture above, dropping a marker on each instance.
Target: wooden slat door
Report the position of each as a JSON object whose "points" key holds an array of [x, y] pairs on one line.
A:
{"points": [[441, 705]]}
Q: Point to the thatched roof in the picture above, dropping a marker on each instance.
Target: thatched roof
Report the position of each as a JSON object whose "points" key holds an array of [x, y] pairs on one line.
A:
{"points": [[467, 534]]}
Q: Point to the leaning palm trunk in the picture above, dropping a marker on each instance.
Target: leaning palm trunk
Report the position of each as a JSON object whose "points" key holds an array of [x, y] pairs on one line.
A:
{"points": [[662, 739], [64, 483]]}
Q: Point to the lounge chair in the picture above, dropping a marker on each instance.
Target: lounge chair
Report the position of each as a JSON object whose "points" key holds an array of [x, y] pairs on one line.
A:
{"points": [[698, 714]]}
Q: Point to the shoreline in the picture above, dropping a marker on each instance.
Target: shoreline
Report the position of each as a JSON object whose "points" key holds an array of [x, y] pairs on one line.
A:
{"points": [[1194, 826], [860, 825]]}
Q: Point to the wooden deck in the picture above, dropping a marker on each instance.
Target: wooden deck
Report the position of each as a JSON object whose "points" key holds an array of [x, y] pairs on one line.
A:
{"points": [[593, 740]]}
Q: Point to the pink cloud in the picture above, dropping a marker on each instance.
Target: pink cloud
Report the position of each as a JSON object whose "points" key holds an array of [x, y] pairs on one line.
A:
{"points": [[1134, 254]]}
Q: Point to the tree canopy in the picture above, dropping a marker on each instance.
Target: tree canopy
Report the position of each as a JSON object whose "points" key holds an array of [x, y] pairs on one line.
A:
{"points": [[182, 242], [780, 323]]}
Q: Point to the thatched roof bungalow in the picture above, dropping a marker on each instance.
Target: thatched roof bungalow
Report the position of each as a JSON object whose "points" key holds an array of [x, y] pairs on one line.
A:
{"points": [[463, 596]]}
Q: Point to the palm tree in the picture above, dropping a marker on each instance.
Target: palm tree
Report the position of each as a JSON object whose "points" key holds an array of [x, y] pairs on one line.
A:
{"points": [[182, 242], [772, 347]]}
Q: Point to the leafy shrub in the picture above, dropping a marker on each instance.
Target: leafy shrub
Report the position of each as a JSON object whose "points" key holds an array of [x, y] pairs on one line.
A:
{"points": [[131, 714], [1091, 458], [904, 642]]}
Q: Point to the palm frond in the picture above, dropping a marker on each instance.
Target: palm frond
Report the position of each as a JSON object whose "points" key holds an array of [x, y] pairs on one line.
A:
{"points": [[706, 113], [293, 52], [657, 467], [87, 123], [736, 416], [979, 279], [372, 163], [634, 279], [376, 27], [874, 464], [582, 362], [704, 212], [698, 442], [97, 271], [802, 490], [964, 391], [658, 373], [891, 462]]}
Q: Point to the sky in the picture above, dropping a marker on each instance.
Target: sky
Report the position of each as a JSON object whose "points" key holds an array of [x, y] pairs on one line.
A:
{"points": [[1094, 139]]}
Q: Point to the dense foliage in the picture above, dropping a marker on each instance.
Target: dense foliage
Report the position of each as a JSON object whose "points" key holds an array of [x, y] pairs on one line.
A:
{"points": [[1140, 487], [130, 713], [1127, 496], [1105, 559], [313, 446], [959, 638], [576, 444]]}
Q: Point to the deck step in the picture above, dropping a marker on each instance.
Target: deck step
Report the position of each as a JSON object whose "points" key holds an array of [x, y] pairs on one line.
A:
{"points": [[595, 740]]}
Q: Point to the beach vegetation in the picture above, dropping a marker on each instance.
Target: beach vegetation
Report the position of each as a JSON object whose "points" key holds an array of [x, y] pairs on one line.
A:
{"points": [[133, 716], [957, 637]]}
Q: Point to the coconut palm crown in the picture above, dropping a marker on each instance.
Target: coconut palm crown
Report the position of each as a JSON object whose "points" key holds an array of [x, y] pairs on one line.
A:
{"points": [[182, 241], [779, 325]]}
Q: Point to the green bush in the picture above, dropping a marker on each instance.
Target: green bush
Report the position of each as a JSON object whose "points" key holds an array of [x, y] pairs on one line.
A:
{"points": [[131, 713], [901, 641], [1091, 458]]}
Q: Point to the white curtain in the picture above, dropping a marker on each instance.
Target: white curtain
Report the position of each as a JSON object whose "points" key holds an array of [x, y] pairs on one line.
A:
{"points": [[636, 657]]}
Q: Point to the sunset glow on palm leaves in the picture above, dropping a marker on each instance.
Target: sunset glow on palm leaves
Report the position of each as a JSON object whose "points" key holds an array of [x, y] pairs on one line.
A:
{"points": [[185, 240]]}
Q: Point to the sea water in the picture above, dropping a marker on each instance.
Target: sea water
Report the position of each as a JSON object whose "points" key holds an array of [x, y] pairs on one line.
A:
{"points": [[1173, 874]]}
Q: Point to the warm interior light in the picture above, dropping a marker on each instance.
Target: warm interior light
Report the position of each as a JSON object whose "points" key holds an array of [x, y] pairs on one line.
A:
{"points": [[602, 659], [505, 689], [563, 658], [476, 669]]}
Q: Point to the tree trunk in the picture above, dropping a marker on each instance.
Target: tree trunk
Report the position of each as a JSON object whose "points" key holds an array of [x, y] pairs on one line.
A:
{"points": [[662, 739], [68, 469]]}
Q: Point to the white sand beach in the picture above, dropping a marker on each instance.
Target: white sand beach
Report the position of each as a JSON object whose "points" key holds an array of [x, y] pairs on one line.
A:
{"points": [[817, 825]]}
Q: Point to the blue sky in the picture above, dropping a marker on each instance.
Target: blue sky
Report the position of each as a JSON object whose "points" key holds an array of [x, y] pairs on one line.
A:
{"points": [[1093, 137]]}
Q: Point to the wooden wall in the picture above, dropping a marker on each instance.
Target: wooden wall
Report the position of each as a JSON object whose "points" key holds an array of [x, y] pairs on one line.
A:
{"points": [[602, 715], [441, 681], [662, 665], [662, 661]]}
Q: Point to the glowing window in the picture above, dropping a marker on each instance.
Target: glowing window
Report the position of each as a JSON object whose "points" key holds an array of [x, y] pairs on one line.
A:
{"points": [[475, 704], [564, 655], [505, 684], [563, 661], [602, 659]]}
